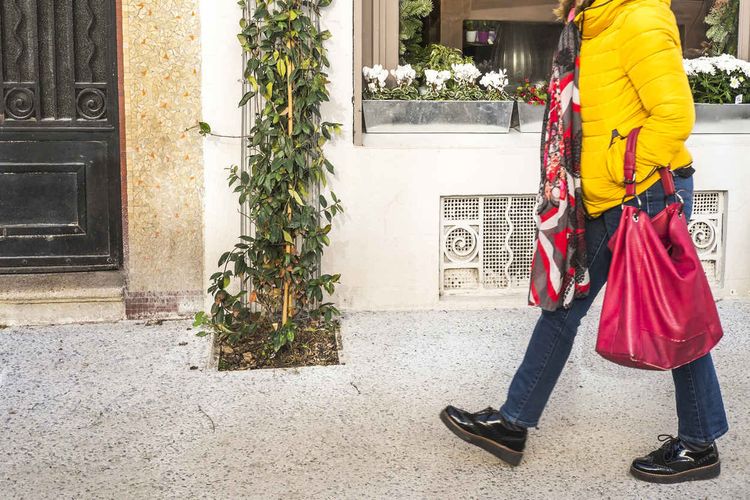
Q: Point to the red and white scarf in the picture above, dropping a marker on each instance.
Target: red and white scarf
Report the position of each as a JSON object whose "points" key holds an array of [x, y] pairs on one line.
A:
{"points": [[559, 269]]}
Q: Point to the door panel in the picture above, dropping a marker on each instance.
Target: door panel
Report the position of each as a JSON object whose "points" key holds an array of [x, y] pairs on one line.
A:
{"points": [[59, 136]]}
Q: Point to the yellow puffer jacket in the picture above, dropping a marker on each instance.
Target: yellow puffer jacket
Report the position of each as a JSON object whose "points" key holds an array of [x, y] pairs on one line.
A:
{"points": [[631, 75]]}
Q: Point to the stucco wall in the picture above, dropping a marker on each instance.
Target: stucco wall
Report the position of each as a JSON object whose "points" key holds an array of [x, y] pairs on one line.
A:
{"points": [[222, 90], [162, 94]]}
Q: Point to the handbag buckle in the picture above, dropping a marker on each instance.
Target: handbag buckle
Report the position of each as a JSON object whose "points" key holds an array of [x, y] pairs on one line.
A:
{"points": [[636, 198]]}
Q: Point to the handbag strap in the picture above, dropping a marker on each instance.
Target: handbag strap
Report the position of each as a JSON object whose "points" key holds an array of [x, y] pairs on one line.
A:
{"points": [[664, 172]]}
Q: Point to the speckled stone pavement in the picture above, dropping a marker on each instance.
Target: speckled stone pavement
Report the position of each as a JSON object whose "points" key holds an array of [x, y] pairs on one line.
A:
{"points": [[114, 411]]}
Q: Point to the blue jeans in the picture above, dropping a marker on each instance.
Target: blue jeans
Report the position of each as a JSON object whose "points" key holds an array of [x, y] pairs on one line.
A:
{"points": [[700, 409]]}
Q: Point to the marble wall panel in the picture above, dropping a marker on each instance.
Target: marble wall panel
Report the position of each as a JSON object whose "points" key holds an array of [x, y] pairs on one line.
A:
{"points": [[161, 51]]}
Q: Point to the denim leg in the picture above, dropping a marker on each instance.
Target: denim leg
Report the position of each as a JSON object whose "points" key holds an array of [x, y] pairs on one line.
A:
{"points": [[700, 409], [552, 339]]}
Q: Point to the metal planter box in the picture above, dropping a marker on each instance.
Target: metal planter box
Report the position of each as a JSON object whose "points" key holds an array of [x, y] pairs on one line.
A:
{"points": [[446, 117], [530, 117], [722, 119]]}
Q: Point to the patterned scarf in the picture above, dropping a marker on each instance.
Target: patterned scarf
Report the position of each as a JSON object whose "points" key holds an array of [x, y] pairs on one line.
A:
{"points": [[559, 269]]}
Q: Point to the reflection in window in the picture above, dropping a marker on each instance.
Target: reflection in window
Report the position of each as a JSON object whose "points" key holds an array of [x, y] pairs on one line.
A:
{"points": [[707, 27], [521, 35], [525, 48]]}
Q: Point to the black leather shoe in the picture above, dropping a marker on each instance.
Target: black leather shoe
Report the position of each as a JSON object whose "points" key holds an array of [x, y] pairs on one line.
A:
{"points": [[488, 430], [675, 463]]}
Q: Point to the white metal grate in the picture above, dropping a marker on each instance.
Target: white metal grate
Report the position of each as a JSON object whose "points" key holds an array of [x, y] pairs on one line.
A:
{"points": [[707, 229], [487, 242]]}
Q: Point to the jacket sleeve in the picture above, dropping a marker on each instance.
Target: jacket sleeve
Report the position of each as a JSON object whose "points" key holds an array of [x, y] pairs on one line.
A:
{"points": [[651, 55]]}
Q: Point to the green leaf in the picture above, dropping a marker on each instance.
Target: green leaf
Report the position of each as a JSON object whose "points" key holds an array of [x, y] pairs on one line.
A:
{"points": [[288, 237], [204, 128], [296, 197], [199, 318], [253, 82], [246, 97]]}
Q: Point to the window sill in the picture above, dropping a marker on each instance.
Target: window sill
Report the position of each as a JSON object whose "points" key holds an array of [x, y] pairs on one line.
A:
{"points": [[512, 140], [711, 120]]}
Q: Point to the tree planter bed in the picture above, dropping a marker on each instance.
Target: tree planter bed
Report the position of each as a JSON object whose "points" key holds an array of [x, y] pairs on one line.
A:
{"points": [[452, 117], [316, 344]]}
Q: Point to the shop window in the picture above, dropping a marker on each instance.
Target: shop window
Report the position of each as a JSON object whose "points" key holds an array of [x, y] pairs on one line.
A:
{"points": [[708, 27], [517, 35]]}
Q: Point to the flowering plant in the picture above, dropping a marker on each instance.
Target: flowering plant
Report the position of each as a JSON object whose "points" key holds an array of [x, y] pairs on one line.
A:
{"points": [[376, 77], [721, 79], [532, 93], [404, 75], [465, 74], [495, 83], [377, 82], [436, 79], [437, 84]]}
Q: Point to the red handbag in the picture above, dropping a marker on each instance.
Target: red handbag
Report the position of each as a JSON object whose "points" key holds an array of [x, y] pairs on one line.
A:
{"points": [[658, 311]]}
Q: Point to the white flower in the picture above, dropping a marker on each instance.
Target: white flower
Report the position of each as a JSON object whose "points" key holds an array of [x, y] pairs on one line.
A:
{"points": [[726, 63], [465, 74], [375, 76], [688, 65], [708, 65], [744, 66], [496, 80], [404, 75], [734, 82], [699, 65], [436, 79]]}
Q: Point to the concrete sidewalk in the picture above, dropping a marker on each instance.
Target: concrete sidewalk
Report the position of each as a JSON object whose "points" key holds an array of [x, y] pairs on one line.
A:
{"points": [[114, 411]]}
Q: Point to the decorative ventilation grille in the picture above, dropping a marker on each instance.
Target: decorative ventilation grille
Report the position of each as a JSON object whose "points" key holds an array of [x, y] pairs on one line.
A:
{"points": [[487, 242], [707, 229]]}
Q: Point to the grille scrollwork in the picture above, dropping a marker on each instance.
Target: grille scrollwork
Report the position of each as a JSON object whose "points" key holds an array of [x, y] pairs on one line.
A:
{"points": [[91, 104], [19, 103], [461, 243]]}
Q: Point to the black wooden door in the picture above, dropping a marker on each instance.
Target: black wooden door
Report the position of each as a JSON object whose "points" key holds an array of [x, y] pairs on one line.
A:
{"points": [[59, 136]]}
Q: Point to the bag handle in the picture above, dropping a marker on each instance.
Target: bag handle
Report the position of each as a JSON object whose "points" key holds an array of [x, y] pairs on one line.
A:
{"points": [[664, 172]]}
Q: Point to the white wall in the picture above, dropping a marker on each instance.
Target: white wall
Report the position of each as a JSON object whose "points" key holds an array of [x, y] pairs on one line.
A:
{"points": [[222, 90], [386, 244]]}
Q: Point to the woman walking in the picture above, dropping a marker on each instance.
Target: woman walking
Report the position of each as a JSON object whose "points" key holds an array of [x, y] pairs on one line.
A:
{"points": [[630, 75]]}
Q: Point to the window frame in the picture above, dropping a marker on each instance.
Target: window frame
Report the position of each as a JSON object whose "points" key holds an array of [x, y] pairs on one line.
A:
{"points": [[743, 35]]}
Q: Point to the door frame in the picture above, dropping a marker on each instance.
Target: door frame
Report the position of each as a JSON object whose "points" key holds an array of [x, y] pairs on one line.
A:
{"points": [[125, 254]]}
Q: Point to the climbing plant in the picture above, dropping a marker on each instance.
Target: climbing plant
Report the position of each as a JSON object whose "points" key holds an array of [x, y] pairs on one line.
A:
{"points": [[272, 276]]}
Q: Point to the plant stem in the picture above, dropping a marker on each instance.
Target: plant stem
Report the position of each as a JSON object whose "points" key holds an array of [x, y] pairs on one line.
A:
{"points": [[287, 307]]}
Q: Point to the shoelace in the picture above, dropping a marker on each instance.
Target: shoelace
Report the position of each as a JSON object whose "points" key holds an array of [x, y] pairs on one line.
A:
{"points": [[487, 410], [670, 445]]}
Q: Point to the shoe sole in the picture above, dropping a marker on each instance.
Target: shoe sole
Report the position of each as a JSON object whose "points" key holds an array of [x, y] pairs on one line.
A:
{"points": [[504, 453], [708, 472]]}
